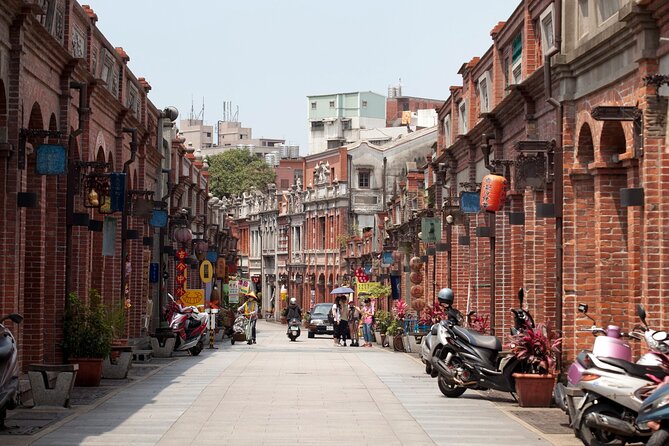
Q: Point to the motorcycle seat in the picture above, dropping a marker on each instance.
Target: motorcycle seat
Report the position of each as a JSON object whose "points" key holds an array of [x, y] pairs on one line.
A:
{"points": [[636, 369], [6, 347], [478, 340]]}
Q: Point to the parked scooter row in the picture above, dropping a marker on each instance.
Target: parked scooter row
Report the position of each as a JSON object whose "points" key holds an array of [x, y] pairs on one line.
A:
{"points": [[605, 389], [188, 325], [9, 367], [464, 359]]}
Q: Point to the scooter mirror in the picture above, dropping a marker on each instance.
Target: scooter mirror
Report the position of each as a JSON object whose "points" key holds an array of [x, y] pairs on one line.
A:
{"points": [[433, 330], [660, 336], [583, 308], [641, 312], [16, 318]]}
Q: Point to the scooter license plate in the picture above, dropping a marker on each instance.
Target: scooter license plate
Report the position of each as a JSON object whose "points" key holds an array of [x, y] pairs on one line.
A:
{"points": [[329, 327], [294, 328]]}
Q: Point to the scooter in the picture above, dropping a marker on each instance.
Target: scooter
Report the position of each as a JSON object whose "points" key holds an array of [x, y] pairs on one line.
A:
{"points": [[9, 368], [293, 329], [470, 360], [608, 343], [656, 409], [189, 326], [432, 343], [614, 389]]}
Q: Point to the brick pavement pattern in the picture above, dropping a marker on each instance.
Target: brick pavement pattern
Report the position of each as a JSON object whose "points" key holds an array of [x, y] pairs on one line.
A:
{"points": [[280, 393]]}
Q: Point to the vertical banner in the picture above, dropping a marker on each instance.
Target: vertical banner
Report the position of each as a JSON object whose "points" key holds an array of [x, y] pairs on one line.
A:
{"points": [[395, 286], [117, 191], [109, 237]]}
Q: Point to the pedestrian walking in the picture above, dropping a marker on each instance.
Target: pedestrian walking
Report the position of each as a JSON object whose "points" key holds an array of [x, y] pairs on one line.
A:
{"points": [[367, 320], [343, 320], [334, 318], [354, 315], [250, 311]]}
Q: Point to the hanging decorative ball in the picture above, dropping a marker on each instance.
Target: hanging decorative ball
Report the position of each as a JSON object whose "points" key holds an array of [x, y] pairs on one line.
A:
{"points": [[418, 304], [417, 291], [416, 277], [493, 192], [415, 263]]}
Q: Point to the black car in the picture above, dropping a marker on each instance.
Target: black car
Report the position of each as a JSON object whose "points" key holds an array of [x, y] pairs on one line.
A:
{"points": [[318, 320]]}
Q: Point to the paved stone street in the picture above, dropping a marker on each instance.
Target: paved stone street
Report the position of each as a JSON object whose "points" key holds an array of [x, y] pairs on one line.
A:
{"points": [[254, 395]]}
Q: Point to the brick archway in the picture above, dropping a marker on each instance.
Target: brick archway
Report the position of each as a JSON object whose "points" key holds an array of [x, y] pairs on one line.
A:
{"points": [[611, 227], [34, 260]]}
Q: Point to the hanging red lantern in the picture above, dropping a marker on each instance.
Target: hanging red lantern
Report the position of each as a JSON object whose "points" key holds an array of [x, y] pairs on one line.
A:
{"points": [[416, 277], [493, 192], [417, 291], [183, 235]]}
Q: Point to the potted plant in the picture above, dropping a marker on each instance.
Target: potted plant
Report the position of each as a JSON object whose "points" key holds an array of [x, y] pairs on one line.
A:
{"points": [[87, 336], [381, 322], [536, 350], [284, 314], [394, 332], [116, 317]]}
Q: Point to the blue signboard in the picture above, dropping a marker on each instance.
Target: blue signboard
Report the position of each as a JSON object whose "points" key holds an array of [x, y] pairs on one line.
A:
{"points": [[117, 191], [470, 202], [212, 256], [51, 160], [153, 273], [158, 218], [387, 258]]}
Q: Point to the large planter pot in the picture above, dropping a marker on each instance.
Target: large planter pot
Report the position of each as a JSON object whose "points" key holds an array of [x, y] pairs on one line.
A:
{"points": [[534, 390], [377, 337], [89, 373], [118, 343], [284, 320]]}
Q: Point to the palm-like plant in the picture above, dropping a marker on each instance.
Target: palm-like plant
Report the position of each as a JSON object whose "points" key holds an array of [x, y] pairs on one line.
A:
{"points": [[536, 348]]}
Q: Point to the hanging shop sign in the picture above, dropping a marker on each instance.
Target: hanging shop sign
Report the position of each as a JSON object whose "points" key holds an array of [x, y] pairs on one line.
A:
{"points": [[430, 230], [193, 297], [220, 268], [51, 160], [212, 256], [470, 202], [109, 237], [364, 287], [158, 218], [244, 286], [153, 272], [206, 271], [233, 291], [117, 191]]}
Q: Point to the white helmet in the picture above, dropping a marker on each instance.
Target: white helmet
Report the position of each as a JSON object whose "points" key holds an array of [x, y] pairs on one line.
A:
{"points": [[293, 300]]}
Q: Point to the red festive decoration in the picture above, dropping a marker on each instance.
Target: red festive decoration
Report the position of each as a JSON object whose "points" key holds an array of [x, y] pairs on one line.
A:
{"points": [[181, 267], [182, 254], [416, 277], [415, 263], [493, 192], [179, 292], [181, 279], [417, 291]]}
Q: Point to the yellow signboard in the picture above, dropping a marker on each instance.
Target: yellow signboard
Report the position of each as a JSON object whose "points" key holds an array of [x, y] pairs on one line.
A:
{"points": [[363, 287], [193, 297], [206, 271]]}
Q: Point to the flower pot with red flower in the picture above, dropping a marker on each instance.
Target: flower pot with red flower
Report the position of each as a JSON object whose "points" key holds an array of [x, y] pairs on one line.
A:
{"points": [[536, 350]]}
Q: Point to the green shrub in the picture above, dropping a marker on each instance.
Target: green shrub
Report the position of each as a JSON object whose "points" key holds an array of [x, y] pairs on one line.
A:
{"points": [[87, 332]]}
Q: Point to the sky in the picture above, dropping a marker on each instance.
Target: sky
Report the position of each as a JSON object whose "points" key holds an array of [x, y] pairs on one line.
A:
{"points": [[267, 56]]}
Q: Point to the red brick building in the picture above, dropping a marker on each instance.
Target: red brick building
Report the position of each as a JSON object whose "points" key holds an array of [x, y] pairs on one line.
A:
{"points": [[63, 83], [561, 106]]}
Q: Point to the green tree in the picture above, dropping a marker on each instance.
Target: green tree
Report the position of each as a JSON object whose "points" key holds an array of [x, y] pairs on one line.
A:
{"points": [[237, 170]]}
